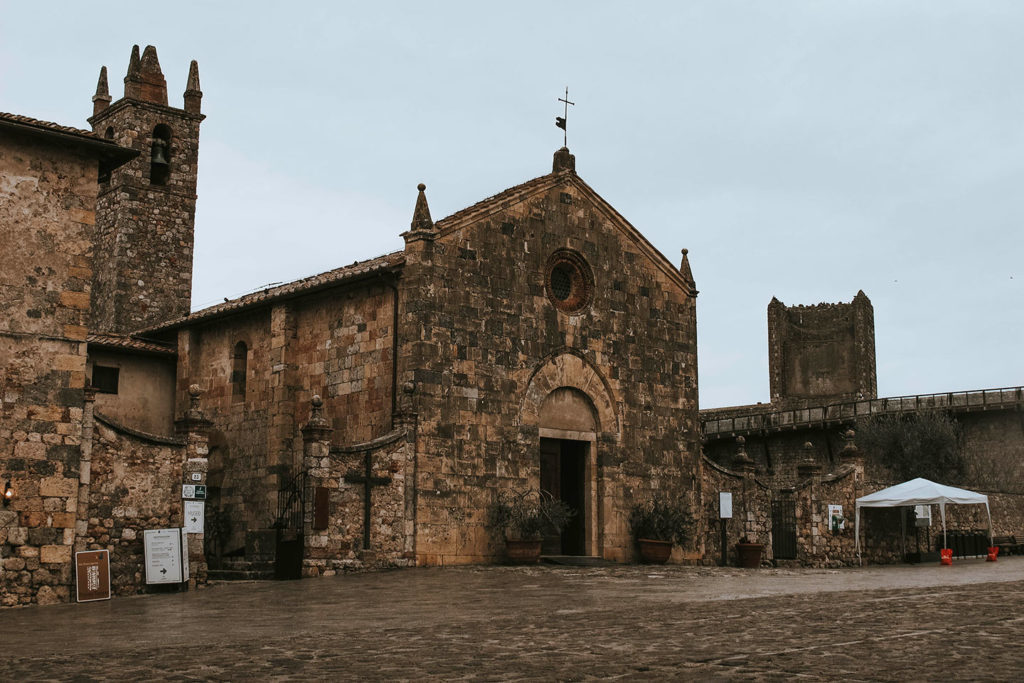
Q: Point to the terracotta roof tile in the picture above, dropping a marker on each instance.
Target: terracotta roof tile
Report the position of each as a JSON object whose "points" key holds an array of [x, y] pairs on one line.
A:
{"points": [[331, 277], [121, 341], [497, 202], [55, 127]]}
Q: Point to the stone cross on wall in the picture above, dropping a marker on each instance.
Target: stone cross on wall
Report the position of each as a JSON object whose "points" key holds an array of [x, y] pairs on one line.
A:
{"points": [[368, 480]]}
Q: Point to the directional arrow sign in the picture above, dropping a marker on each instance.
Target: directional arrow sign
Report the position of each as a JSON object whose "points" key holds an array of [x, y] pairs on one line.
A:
{"points": [[195, 519]]}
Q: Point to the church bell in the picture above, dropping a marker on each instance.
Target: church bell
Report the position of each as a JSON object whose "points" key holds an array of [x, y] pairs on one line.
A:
{"points": [[159, 157]]}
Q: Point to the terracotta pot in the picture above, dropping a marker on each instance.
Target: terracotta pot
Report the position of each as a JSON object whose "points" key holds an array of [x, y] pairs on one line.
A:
{"points": [[749, 554], [654, 552], [523, 552]]}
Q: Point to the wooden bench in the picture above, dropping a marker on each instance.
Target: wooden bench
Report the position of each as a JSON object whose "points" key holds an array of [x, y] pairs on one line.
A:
{"points": [[1008, 545]]}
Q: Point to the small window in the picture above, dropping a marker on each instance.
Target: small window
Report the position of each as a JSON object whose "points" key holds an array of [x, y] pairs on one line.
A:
{"points": [[104, 379], [239, 362]]}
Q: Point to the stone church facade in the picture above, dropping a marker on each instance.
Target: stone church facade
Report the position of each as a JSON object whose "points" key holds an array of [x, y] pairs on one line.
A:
{"points": [[369, 416], [363, 417]]}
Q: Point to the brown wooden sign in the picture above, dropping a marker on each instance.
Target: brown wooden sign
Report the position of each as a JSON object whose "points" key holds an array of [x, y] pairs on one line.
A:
{"points": [[92, 575]]}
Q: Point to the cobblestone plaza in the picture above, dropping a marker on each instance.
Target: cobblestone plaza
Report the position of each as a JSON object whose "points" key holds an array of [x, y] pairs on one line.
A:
{"points": [[545, 623]]}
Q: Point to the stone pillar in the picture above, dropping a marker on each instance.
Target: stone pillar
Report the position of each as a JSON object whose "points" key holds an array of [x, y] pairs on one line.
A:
{"points": [[316, 461], [195, 428], [84, 471], [406, 418], [743, 464], [810, 470]]}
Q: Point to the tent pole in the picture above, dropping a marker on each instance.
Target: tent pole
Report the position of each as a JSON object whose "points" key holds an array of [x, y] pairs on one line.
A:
{"points": [[903, 530], [942, 512], [989, 513]]}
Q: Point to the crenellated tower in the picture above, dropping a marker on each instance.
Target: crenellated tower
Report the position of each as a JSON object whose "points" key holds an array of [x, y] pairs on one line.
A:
{"points": [[145, 212]]}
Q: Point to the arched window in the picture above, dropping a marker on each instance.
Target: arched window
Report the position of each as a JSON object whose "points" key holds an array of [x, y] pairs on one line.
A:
{"points": [[160, 156], [239, 361]]}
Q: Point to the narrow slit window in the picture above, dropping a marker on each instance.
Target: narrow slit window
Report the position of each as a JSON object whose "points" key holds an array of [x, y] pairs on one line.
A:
{"points": [[239, 362]]}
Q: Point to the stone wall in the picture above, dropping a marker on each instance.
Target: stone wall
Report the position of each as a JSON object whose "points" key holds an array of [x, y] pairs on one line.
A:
{"points": [[337, 490], [338, 343], [145, 396], [135, 485], [484, 343], [47, 196]]}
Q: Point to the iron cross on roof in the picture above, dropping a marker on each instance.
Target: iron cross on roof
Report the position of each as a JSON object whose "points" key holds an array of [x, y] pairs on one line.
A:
{"points": [[560, 120]]}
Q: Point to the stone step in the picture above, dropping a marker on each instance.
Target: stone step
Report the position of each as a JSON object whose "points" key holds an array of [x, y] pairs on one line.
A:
{"points": [[576, 560], [239, 574]]}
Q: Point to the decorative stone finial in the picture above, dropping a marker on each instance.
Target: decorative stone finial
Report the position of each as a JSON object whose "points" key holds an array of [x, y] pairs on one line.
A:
{"points": [[193, 95], [194, 392], [850, 450], [101, 100], [405, 400], [742, 462], [563, 161], [193, 420], [422, 227], [318, 428], [809, 467], [684, 270]]}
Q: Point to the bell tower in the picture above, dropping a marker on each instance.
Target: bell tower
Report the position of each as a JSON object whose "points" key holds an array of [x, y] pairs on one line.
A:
{"points": [[145, 212]]}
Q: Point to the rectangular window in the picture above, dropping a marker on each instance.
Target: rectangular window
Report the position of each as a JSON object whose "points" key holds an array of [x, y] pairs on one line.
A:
{"points": [[105, 379]]}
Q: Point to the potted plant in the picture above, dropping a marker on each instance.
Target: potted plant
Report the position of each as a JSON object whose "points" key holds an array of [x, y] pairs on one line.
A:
{"points": [[524, 518], [656, 525], [748, 552]]}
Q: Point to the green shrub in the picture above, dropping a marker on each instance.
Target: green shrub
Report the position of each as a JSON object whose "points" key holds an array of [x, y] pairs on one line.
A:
{"points": [[529, 515], [660, 519]]}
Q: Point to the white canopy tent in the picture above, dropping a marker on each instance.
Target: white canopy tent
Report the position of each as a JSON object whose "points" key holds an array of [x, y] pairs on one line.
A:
{"points": [[921, 492]]}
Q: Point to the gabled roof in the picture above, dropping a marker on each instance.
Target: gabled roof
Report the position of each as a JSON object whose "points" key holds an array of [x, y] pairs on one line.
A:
{"points": [[330, 278], [523, 191], [442, 228]]}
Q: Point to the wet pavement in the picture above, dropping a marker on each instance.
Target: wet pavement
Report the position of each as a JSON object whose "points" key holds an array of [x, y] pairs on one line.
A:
{"points": [[546, 623]]}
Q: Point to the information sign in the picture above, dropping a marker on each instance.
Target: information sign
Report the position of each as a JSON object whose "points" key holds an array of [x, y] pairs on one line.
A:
{"points": [[194, 516], [725, 505], [163, 555], [92, 575], [193, 491]]}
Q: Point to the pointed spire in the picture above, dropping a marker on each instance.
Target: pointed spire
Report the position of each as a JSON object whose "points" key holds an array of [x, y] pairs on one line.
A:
{"points": [[684, 269], [193, 95], [153, 87], [133, 78], [422, 227], [421, 214], [101, 100]]}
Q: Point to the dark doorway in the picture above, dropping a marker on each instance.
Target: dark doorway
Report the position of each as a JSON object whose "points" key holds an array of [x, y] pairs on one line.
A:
{"points": [[563, 474], [784, 529]]}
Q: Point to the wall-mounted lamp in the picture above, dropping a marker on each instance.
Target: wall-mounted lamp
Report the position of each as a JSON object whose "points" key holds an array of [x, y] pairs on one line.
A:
{"points": [[8, 493]]}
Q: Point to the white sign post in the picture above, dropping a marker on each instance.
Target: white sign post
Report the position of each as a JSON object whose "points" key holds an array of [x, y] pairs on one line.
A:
{"points": [[725, 505], [163, 552], [194, 516]]}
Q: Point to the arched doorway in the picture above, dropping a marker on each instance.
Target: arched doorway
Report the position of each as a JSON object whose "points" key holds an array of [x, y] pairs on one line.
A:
{"points": [[568, 427]]}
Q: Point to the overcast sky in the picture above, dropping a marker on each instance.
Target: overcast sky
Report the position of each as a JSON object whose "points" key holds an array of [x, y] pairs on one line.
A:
{"points": [[802, 150]]}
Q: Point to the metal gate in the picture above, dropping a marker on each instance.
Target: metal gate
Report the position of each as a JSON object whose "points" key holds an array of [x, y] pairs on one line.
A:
{"points": [[291, 508], [784, 529]]}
